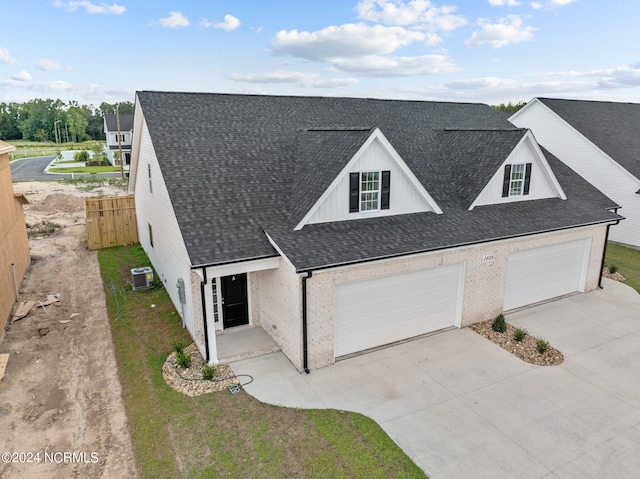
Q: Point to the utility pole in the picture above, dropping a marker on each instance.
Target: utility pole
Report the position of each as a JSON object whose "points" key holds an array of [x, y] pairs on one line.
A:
{"points": [[119, 141]]}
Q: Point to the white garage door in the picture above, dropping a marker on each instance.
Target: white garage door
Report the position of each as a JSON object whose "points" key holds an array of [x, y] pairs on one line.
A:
{"points": [[543, 273], [383, 310]]}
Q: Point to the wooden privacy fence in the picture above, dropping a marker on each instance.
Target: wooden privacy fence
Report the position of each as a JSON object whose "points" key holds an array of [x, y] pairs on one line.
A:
{"points": [[111, 221]]}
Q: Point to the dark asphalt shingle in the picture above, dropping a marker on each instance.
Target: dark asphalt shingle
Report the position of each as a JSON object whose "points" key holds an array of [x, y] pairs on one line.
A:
{"points": [[126, 122], [611, 126], [236, 166]]}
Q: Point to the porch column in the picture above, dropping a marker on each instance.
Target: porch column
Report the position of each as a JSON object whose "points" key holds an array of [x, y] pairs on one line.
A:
{"points": [[211, 325]]}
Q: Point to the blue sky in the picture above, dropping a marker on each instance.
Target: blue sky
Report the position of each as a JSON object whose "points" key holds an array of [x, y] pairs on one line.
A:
{"points": [[488, 51]]}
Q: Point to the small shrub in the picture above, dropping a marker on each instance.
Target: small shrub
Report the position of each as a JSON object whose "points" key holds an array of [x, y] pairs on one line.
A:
{"points": [[43, 228], [613, 269], [542, 345], [519, 334], [183, 359], [178, 347], [81, 156], [208, 372], [499, 325]]}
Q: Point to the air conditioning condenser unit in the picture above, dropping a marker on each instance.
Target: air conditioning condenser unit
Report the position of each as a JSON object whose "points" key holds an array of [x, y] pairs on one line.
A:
{"points": [[141, 278]]}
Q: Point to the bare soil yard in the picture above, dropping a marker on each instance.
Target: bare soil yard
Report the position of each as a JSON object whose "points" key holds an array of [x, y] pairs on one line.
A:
{"points": [[61, 393]]}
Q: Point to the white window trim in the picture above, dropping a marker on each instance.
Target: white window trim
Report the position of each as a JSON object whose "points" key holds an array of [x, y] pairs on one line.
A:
{"points": [[512, 181], [361, 192]]}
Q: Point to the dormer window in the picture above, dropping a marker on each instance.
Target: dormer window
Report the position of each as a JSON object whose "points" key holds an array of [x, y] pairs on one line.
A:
{"points": [[369, 191], [517, 179]]}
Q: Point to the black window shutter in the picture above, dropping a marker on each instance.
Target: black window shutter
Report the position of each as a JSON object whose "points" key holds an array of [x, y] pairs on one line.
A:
{"points": [[527, 178], [386, 188], [506, 180], [354, 192]]}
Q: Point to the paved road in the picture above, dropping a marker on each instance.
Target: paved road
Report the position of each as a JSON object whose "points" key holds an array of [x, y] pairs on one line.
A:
{"points": [[32, 169]]}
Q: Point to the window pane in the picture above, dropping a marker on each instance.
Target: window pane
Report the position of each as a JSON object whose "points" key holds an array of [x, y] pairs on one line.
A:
{"points": [[517, 180], [369, 190]]}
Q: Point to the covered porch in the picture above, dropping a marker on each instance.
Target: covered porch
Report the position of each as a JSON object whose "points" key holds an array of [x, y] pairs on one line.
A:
{"points": [[243, 342]]}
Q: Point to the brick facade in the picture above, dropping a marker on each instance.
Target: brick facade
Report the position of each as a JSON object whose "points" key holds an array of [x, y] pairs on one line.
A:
{"points": [[278, 292]]}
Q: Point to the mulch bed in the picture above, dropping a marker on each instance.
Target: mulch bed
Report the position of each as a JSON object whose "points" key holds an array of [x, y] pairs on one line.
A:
{"points": [[525, 349]]}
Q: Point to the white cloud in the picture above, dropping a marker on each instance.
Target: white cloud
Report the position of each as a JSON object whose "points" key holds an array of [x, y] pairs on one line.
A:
{"points": [[504, 3], [82, 92], [363, 49], [91, 8], [313, 80], [6, 58], [22, 76], [204, 23], [48, 64], [345, 41], [413, 12], [174, 20], [549, 4], [508, 30], [230, 23], [390, 66]]}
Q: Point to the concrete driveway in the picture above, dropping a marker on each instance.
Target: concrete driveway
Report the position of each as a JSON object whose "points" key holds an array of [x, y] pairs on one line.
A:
{"points": [[461, 407]]}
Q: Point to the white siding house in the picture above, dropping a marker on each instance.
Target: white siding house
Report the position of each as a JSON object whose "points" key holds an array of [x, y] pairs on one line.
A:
{"points": [[287, 214], [158, 229], [574, 135]]}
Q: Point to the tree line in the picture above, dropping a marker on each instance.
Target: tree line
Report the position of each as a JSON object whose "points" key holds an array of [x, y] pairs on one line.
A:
{"points": [[55, 120]]}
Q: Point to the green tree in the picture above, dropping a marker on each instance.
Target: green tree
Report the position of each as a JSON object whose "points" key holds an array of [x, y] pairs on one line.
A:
{"points": [[9, 113], [509, 107], [37, 117], [77, 122]]}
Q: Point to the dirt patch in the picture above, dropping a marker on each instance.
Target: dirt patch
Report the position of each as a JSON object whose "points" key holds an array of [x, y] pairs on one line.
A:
{"points": [[526, 349], [61, 392]]}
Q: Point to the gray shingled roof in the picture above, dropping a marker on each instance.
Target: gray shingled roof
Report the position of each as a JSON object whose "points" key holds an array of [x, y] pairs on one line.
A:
{"points": [[237, 166], [475, 155], [322, 155], [126, 122], [612, 127]]}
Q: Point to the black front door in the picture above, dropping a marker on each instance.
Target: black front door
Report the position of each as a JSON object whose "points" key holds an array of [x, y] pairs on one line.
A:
{"points": [[235, 310]]}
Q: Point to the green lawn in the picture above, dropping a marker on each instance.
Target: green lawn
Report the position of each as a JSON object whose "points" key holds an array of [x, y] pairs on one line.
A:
{"points": [[86, 169], [627, 261], [220, 434], [28, 149]]}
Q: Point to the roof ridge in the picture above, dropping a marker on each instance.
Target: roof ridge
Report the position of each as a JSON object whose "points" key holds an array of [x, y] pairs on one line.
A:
{"points": [[394, 100], [339, 128]]}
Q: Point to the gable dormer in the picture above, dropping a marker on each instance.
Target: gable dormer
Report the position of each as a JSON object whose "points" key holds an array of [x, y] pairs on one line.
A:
{"points": [[374, 181], [523, 176]]}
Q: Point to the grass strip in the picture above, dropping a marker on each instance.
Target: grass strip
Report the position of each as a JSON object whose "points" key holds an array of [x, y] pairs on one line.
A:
{"points": [[220, 434], [627, 262]]}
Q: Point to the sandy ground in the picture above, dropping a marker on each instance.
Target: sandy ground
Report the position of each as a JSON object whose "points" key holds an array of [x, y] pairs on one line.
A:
{"points": [[61, 392]]}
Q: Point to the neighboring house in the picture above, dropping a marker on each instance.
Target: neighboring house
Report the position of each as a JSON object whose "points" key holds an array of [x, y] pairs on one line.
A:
{"points": [[342, 224], [112, 135], [14, 245], [601, 142]]}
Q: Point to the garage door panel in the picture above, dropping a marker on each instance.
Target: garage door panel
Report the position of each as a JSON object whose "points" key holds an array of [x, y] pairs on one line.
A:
{"points": [[543, 273], [383, 310]]}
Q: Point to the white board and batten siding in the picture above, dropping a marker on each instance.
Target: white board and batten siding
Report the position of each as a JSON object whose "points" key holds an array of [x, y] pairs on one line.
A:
{"points": [[539, 274], [168, 253], [541, 185], [384, 310], [582, 156], [404, 197]]}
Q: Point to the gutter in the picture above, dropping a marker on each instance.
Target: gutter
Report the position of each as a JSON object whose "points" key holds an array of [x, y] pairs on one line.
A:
{"points": [[441, 248], [604, 250], [305, 358], [204, 313]]}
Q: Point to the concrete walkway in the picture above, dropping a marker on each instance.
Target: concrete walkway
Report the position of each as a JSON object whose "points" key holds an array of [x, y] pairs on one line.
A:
{"points": [[461, 407]]}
